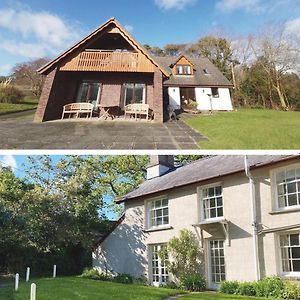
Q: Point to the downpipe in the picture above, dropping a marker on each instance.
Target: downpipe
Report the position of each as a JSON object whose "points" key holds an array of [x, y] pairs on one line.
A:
{"points": [[254, 219]]}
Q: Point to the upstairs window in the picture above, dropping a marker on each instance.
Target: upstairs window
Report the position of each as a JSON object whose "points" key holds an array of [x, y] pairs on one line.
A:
{"points": [[215, 92], [288, 188], [159, 213], [183, 70], [212, 202]]}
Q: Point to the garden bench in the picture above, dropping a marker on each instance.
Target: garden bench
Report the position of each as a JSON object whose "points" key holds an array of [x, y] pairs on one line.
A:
{"points": [[78, 109], [139, 110]]}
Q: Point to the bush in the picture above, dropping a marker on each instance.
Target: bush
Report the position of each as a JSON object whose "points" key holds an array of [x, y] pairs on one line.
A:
{"points": [[193, 282], [123, 278], [95, 275], [10, 94], [246, 289], [269, 287], [229, 287], [290, 291]]}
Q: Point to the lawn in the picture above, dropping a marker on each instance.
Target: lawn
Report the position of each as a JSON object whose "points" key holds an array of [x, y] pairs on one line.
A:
{"points": [[75, 288], [26, 104], [249, 129]]}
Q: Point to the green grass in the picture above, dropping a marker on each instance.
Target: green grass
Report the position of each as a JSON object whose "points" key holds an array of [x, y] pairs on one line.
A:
{"points": [[211, 296], [249, 129], [74, 288], [26, 104]]}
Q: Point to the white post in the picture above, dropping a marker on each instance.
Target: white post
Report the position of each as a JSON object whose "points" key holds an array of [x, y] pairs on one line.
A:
{"points": [[54, 271], [33, 292], [17, 282], [27, 274]]}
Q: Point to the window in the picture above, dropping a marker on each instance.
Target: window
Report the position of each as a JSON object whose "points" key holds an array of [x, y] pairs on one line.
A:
{"points": [[288, 188], [159, 213], [134, 93], [205, 71], [212, 201], [217, 262], [183, 70], [159, 271], [290, 253], [89, 92], [215, 92]]}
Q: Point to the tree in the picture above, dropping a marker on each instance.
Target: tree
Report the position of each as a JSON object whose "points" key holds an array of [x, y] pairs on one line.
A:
{"points": [[185, 256], [278, 54], [175, 49], [26, 74], [217, 50], [156, 51]]}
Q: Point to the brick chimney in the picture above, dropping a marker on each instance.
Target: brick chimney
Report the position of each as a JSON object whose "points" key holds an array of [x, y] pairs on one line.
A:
{"points": [[159, 165]]}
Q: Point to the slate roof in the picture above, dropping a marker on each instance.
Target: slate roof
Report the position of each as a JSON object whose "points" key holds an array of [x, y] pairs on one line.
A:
{"points": [[215, 78], [201, 170]]}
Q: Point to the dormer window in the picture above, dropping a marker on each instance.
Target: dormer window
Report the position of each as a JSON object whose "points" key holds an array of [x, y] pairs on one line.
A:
{"points": [[206, 72], [183, 70]]}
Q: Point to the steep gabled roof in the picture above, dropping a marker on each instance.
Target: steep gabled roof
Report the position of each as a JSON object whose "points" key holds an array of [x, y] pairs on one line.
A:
{"points": [[202, 170], [45, 69], [179, 58], [214, 78]]}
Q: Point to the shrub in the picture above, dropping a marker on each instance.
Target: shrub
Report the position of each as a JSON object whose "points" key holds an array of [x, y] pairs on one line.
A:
{"points": [[290, 291], [123, 278], [229, 287], [193, 282], [142, 280], [10, 94], [269, 287], [95, 275], [246, 289]]}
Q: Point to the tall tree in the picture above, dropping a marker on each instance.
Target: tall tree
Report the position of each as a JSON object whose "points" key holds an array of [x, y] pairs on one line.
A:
{"points": [[26, 74]]}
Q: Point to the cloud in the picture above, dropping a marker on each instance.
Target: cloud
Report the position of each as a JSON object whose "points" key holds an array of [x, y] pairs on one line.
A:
{"points": [[292, 27], [174, 4], [232, 5], [36, 33], [8, 161], [129, 28]]}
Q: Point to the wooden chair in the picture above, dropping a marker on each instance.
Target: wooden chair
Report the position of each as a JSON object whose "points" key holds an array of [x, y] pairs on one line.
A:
{"points": [[78, 109], [137, 109]]}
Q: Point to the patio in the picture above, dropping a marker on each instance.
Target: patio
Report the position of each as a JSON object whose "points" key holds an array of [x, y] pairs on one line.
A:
{"points": [[18, 132]]}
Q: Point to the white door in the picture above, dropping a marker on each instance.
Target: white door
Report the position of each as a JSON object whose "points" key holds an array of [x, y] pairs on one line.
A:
{"points": [[216, 263], [158, 269]]}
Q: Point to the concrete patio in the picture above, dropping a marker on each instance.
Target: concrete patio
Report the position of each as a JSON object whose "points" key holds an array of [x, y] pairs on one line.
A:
{"points": [[19, 132]]}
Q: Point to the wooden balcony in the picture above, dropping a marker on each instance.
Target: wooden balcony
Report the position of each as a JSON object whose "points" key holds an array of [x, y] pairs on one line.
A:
{"points": [[109, 62]]}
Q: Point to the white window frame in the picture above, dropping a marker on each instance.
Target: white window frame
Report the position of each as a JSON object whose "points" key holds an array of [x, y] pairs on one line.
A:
{"points": [[211, 283], [161, 266], [134, 84], [200, 197], [274, 192], [283, 273], [148, 205]]}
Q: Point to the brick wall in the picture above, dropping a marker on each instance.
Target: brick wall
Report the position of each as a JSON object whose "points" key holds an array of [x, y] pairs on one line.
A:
{"points": [[158, 96]]}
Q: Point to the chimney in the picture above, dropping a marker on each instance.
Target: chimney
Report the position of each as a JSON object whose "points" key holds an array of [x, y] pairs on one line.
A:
{"points": [[159, 165]]}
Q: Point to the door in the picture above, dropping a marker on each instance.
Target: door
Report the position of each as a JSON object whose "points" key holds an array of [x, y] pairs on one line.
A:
{"points": [[187, 94], [134, 93], [216, 263], [89, 92], [158, 269]]}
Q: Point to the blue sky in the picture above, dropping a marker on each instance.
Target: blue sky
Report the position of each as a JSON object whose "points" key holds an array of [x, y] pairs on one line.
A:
{"points": [[32, 28]]}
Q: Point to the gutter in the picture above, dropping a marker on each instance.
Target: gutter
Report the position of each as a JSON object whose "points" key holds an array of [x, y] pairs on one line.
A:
{"points": [[254, 219]]}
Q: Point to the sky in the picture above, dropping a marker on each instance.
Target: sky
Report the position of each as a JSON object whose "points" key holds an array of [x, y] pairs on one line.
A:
{"points": [[30, 29]]}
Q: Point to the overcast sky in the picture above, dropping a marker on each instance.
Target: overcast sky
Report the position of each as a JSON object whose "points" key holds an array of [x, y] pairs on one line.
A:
{"points": [[32, 28]]}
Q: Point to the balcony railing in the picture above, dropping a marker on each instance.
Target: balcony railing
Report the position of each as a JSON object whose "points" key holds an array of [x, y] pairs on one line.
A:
{"points": [[109, 62]]}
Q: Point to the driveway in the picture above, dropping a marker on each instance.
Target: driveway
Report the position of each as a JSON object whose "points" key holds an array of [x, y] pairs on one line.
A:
{"points": [[19, 132]]}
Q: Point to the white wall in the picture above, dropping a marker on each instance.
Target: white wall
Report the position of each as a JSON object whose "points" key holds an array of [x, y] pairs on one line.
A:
{"points": [[221, 103], [174, 97]]}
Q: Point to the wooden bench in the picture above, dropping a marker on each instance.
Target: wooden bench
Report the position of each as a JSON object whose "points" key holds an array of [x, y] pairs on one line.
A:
{"points": [[139, 110], [78, 109]]}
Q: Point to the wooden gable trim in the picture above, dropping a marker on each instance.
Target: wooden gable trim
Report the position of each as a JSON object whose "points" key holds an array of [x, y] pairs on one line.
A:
{"points": [[47, 68], [178, 62], [179, 58]]}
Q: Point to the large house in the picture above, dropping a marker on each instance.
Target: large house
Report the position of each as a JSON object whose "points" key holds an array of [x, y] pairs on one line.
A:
{"points": [[109, 68], [244, 212]]}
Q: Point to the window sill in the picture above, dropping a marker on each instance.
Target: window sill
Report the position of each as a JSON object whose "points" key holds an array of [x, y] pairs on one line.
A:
{"points": [[284, 211], [162, 228], [291, 275]]}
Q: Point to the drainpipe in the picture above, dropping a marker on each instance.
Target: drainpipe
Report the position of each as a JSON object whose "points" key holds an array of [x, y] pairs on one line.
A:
{"points": [[254, 219]]}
